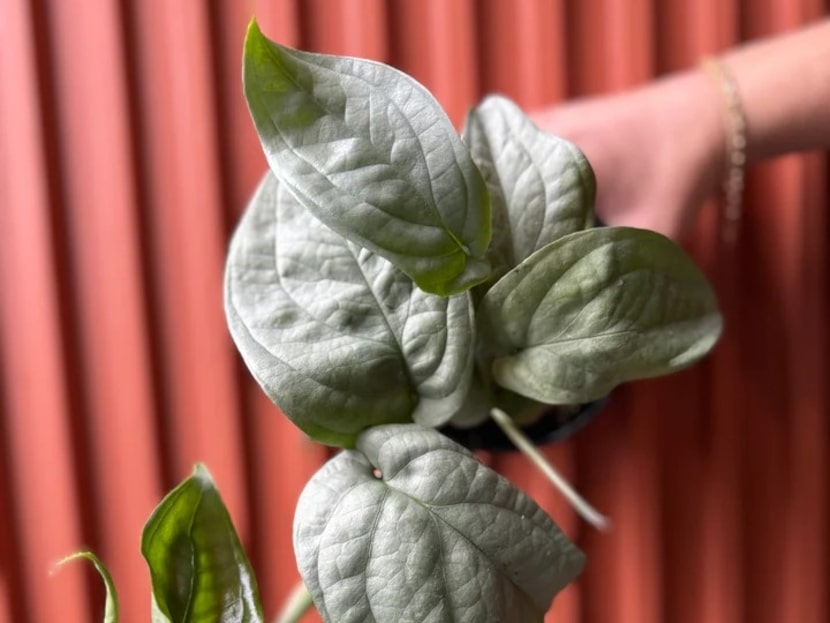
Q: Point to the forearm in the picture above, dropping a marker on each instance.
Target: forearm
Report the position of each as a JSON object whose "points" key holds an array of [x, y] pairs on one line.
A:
{"points": [[784, 89], [660, 150]]}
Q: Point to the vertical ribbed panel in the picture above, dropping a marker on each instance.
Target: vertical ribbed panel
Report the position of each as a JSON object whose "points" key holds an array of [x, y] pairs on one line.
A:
{"points": [[788, 501], [700, 438], [435, 42], [522, 50], [610, 43], [36, 450], [126, 156], [181, 204], [104, 276], [346, 27]]}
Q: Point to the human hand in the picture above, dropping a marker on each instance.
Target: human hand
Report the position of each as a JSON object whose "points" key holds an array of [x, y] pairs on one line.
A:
{"points": [[657, 151]]}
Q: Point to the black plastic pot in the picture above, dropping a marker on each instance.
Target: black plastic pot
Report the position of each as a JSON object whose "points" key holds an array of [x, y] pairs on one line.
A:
{"points": [[556, 424]]}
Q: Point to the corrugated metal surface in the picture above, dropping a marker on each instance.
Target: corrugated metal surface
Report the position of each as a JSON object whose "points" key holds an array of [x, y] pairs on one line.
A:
{"points": [[126, 155]]}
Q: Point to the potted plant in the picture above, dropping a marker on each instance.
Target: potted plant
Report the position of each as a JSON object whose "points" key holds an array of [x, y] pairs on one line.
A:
{"points": [[393, 284], [391, 278]]}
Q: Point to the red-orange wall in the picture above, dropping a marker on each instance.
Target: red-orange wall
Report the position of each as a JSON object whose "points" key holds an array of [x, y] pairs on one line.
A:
{"points": [[126, 156]]}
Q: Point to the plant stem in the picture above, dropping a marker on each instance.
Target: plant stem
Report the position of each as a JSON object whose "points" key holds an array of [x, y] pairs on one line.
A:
{"points": [[581, 506], [298, 603]]}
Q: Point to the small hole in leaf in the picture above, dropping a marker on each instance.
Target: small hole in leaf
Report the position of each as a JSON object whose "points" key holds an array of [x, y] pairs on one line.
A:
{"points": [[377, 473]]}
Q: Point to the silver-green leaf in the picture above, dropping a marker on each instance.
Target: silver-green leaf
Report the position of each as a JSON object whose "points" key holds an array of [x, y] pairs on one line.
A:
{"points": [[198, 568], [541, 186], [410, 527], [594, 309], [371, 153], [337, 336]]}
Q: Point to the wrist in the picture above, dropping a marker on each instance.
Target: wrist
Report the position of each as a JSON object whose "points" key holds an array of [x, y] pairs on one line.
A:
{"points": [[687, 109], [784, 86]]}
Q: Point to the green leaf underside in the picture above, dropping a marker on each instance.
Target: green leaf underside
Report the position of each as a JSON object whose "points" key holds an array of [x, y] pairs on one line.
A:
{"points": [[336, 335], [595, 309], [438, 537], [541, 186], [198, 568], [370, 153], [111, 604]]}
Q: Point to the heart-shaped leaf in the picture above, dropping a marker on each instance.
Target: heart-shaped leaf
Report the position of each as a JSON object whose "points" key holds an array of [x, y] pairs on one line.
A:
{"points": [[541, 186], [411, 527], [594, 309], [199, 571], [337, 336], [371, 154]]}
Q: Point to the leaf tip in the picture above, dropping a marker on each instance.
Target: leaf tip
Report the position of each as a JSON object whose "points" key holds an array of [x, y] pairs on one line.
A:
{"points": [[86, 555], [111, 607], [253, 29], [56, 566], [254, 39], [202, 474]]}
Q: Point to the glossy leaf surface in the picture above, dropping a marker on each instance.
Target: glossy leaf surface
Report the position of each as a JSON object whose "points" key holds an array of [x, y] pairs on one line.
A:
{"points": [[337, 336], [199, 571], [541, 186], [370, 153], [435, 536], [594, 309]]}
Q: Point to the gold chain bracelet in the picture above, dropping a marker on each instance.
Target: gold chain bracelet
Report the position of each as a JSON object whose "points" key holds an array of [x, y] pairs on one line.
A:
{"points": [[735, 126]]}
